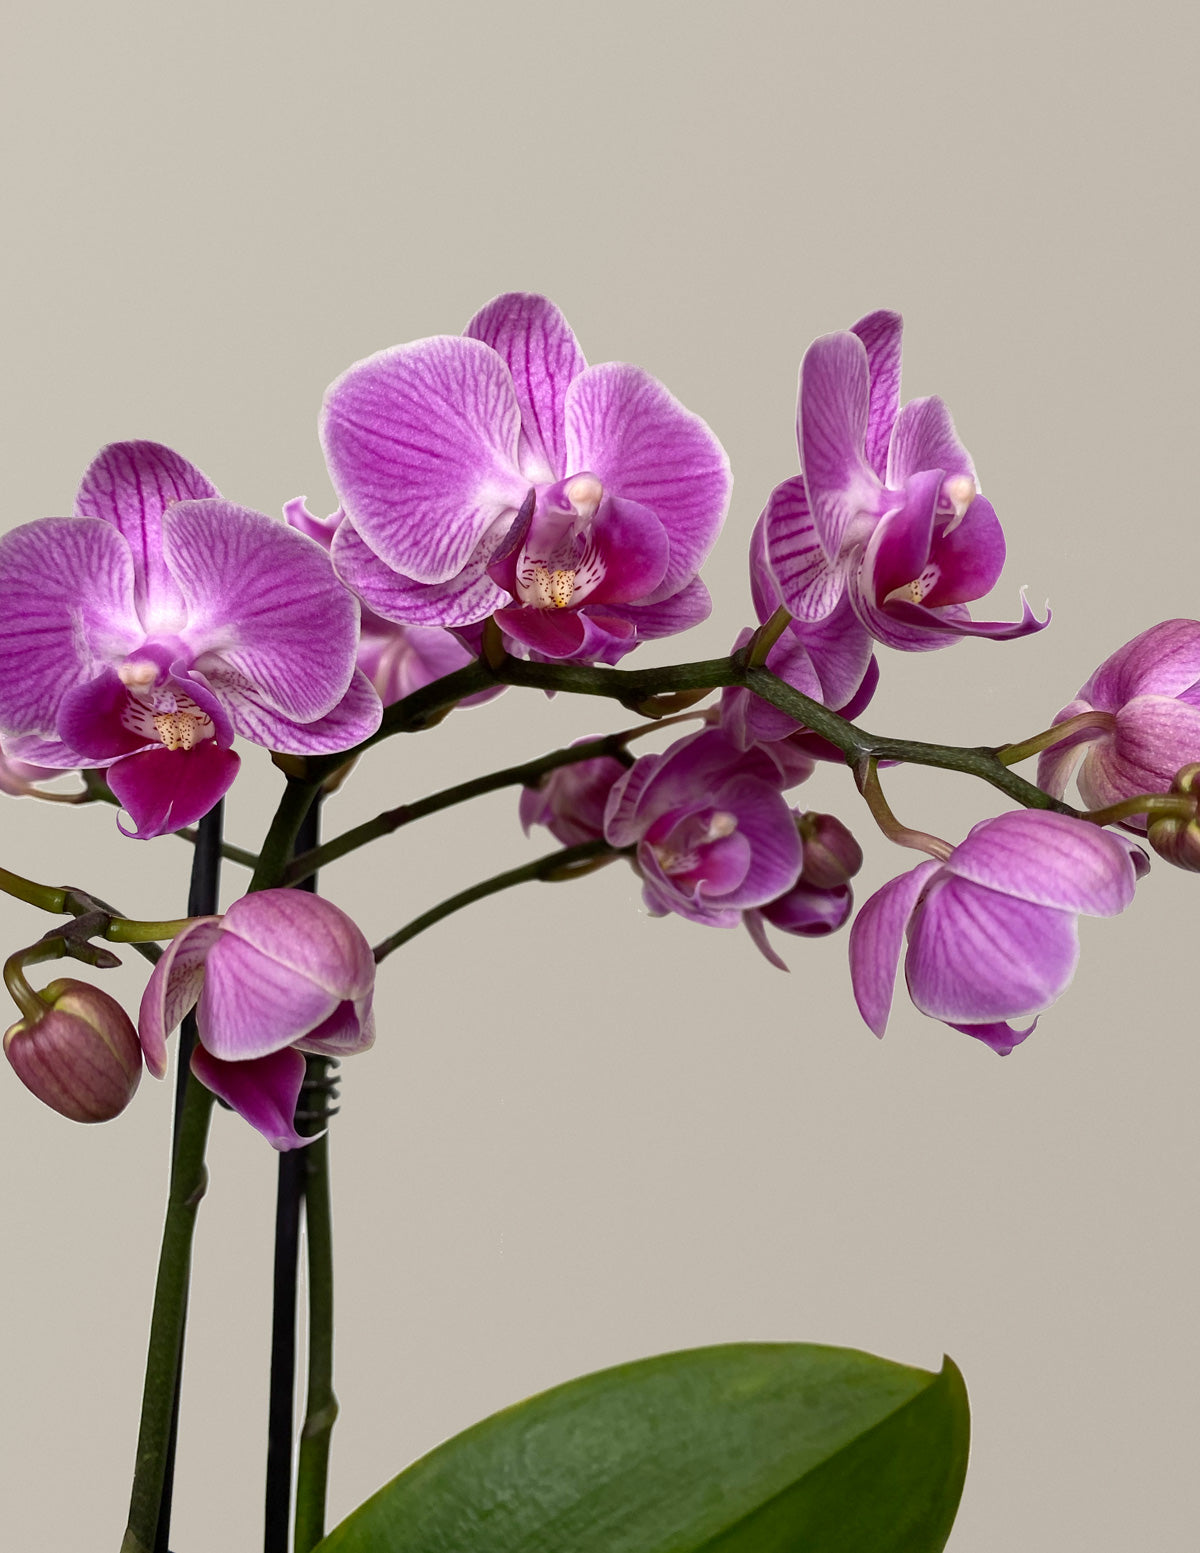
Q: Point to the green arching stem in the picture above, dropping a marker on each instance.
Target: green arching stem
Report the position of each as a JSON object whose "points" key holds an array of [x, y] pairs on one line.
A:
{"points": [[44, 896], [277, 849], [1085, 722], [32, 1007], [569, 863], [881, 813], [527, 774], [1172, 806], [189, 1180], [122, 930]]}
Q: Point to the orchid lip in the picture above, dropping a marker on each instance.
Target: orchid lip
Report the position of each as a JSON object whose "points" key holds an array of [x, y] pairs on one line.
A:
{"points": [[559, 564]]}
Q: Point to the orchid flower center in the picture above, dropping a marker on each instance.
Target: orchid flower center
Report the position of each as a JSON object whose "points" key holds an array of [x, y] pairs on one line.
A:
{"points": [[559, 564], [681, 851], [163, 713]]}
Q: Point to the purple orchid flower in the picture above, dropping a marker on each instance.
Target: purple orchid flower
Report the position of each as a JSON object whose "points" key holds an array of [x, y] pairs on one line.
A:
{"points": [[830, 661], [993, 930], [570, 800], [283, 972], [887, 510], [713, 833], [1150, 691], [141, 634], [821, 899], [396, 659], [496, 473]]}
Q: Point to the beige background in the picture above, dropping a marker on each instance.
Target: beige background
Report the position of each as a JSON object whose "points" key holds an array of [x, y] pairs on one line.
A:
{"points": [[585, 1135]]}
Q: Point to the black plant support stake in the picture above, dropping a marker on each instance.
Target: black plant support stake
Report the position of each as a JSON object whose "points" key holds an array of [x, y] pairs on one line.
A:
{"points": [[203, 900], [289, 1198]]}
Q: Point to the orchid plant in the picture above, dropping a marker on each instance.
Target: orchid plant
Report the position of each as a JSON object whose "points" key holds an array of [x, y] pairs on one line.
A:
{"points": [[511, 517]]}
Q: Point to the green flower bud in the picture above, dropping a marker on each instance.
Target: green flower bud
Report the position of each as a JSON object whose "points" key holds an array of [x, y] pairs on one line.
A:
{"points": [[82, 1057]]}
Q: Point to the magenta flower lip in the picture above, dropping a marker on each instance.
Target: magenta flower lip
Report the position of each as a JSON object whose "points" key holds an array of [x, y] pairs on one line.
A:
{"points": [[142, 634], [992, 932], [283, 972], [497, 473], [887, 510]]}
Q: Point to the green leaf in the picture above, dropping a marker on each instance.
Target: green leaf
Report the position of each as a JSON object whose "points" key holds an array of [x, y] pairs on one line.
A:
{"points": [[748, 1448]]}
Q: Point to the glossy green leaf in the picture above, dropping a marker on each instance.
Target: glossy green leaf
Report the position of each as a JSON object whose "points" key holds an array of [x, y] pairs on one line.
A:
{"points": [[749, 1448]]}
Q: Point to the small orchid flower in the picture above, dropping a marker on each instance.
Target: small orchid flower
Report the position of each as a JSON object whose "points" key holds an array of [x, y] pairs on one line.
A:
{"points": [[713, 833], [141, 634], [396, 659], [1150, 689], [830, 661], [992, 931], [283, 972], [887, 509], [496, 473]]}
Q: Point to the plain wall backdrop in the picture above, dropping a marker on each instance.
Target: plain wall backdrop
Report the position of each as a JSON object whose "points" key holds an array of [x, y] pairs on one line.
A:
{"points": [[585, 1135]]}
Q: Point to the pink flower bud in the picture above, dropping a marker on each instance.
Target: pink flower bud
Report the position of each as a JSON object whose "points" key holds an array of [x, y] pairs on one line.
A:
{"points": [[82, 1058], [832, 857]]}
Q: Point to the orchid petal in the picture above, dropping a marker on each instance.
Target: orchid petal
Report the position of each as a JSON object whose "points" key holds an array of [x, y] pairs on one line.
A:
{"points": [[976, 955], [89, 720], [464, 599], [67, 585], [624, 427], [263, 1091], [752, 921], [876, 940], [355, 718], [898, 549], [832, 426], [808, 584], [880, 333], [1048, 859], [348, 1030], [691, 606], [768, 826], [174, 988], [307, 935], [969, 558], [999, 1035], [924, 438], [252, 1004], [1163, 661], [262, 600], [1153, 737], [633, 548], [421, 442], [163, 790], [536, 344], [131, 485], [1056, 764]]}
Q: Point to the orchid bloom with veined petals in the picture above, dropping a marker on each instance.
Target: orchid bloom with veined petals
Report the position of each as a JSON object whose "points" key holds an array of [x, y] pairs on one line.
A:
{"points": [[496, 473], [283, 972], [713, 833], [992, 931], [141, 634], [887, 509], [1150, 691]]}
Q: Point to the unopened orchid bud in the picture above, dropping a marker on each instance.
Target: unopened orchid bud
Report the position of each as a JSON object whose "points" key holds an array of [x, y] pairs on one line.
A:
{"points": [[1176, 838], [82, 1057], [832, 857]]}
